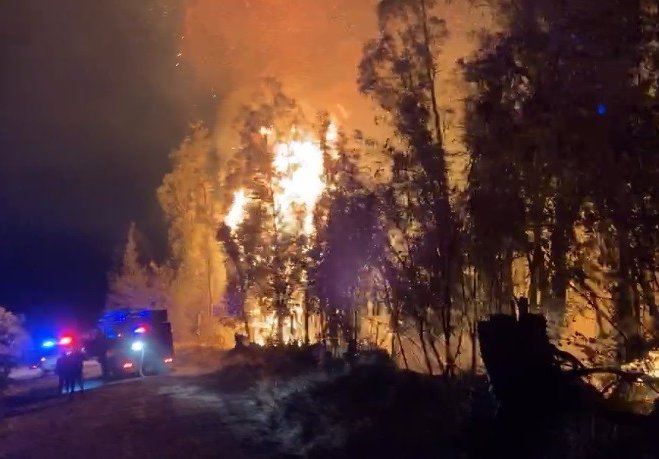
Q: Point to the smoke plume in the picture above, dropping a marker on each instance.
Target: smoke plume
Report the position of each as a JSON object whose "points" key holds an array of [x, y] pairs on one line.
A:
{"points": [[312, 46]]}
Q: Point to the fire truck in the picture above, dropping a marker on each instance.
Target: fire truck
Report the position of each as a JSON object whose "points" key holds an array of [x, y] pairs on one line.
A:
{"points": [[135, 342]]}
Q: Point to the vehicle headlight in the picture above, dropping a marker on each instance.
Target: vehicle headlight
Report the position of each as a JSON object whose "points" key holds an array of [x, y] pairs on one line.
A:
{"points": [[137, 346]]}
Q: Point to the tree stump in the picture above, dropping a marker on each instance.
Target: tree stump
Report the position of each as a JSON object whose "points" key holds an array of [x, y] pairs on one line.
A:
{"points": [[522, 366]]}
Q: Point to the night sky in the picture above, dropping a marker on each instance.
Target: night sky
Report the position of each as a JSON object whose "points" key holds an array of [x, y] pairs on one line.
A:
{"points": [[91, 103]]}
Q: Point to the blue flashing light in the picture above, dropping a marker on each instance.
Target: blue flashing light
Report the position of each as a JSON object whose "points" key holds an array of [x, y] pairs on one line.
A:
{"points": [[601, 109], [48, 343]]}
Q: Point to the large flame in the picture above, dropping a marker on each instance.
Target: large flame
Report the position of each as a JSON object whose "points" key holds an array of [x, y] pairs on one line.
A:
{"points": [[264, 325], [236, 213], [298, 181]]}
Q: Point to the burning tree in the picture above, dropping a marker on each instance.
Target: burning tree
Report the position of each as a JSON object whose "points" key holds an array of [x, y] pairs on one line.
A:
{"points": [[277, 179]]}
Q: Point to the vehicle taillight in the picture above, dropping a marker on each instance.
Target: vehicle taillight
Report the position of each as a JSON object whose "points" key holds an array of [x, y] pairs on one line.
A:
{"points": [[140, 330], [128, 365], [168, 360], [66, 340]]}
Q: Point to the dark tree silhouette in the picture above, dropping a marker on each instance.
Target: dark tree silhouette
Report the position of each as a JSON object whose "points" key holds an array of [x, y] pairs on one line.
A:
{"points": [[561, 139], [398, 70]]}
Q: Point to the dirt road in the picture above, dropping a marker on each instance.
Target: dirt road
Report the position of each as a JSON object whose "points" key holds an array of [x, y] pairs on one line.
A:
{"points": [[153, 417]]}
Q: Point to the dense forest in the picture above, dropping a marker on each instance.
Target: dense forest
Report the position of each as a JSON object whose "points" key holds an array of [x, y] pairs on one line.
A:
{"points": [[309, 230]]}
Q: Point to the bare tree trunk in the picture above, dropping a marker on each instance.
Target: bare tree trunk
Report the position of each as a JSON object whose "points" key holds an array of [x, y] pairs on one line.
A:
{"points": [[209, 325], [306, 322], [422, 337], [506, 278], [499, 283], [280, 322], [402, 351], [377, 332], [535, 263], [447, 313], [648, 291], [474, 335], [393, 318], [624, 312], [435, 352], [450, 364], [636, 294], [209, 280], [323, 324], [560, 239], [430, 69], [280, 329], [245, 317]]}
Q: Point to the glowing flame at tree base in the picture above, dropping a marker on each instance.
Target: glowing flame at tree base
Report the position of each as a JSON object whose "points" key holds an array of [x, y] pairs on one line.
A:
{"points": [[264, 326]]}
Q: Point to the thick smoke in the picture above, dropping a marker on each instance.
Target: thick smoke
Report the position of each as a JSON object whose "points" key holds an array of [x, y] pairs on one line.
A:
{"points": [[312, 46]]}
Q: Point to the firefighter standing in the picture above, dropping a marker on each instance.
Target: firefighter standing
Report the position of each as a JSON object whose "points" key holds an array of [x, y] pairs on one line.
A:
{"points": [[76, 366], [62, 370]]}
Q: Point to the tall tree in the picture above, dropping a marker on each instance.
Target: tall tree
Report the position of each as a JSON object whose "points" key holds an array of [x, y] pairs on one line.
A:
{"points": [[345, 250], [129, 286], [398, 70], [553, 98], [267, 246], [189, 199]]}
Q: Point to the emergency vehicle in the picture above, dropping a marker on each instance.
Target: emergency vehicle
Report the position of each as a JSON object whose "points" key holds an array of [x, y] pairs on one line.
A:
{"points": [[45, 357], [136, 342]]}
